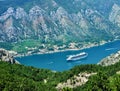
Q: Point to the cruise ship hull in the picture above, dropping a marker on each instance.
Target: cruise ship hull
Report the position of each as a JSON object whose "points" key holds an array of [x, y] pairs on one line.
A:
{"points": [[77, 56]]}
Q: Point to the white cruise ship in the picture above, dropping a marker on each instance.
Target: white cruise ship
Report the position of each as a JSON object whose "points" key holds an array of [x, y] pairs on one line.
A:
{"points": [[77, 56]]}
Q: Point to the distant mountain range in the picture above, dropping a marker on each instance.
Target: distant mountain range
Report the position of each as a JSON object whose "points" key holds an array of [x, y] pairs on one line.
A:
{"points": [[60, 21]]}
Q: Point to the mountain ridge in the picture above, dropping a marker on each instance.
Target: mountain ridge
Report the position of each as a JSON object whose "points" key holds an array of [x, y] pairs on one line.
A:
{"points": [[61, 16], [57, 22]]}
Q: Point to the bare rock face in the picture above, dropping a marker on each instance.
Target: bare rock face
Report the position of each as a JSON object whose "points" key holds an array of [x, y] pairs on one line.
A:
{"points": [[75, 81], [5, 56], [51, 19], [7, 14], [110, 60], [115, 15], [20, 13]]}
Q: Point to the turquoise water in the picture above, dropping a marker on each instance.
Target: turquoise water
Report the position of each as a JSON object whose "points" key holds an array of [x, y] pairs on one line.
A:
{"points": [[57, 61]]}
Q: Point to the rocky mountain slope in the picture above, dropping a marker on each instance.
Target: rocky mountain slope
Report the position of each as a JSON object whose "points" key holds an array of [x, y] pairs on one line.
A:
{"points": [[7, 57], [110, 60], [59, 21]]}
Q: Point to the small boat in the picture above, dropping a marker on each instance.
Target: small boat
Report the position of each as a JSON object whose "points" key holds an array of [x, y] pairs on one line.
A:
{"points": [[77, 56]]}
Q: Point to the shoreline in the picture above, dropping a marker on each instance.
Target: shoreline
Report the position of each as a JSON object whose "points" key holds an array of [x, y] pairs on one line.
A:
{"points": [[74, 49]]}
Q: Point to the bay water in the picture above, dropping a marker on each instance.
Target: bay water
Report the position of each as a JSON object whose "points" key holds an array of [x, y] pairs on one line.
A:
{"points": [[57, 61]]}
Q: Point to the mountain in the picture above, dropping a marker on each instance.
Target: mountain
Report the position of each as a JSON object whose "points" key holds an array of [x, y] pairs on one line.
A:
{"points": [[44, 24], [59, 21]]}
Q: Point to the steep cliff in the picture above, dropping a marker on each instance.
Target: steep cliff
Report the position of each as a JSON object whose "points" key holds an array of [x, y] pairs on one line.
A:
{"points": [[59, 21]]}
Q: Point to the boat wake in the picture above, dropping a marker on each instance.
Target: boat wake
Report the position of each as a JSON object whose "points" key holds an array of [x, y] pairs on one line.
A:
{"points": [[110, 49], [50, 63]]}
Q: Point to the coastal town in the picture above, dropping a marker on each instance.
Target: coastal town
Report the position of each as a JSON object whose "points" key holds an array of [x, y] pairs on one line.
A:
{"points": [[44, 49]]}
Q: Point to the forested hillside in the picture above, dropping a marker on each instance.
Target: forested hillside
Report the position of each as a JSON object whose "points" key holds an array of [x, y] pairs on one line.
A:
{"points": [[21, 78]]}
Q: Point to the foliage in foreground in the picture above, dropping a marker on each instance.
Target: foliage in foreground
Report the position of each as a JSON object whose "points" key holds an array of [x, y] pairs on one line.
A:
{"points": [[21, 78]]}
